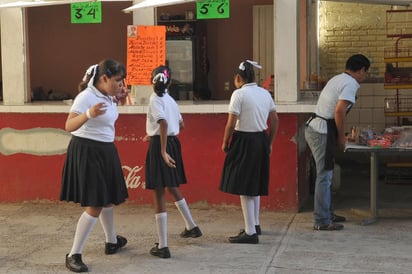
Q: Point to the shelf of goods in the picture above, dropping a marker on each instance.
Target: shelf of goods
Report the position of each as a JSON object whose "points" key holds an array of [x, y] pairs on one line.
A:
{"points": [[401, 106], [398, 76], [398, 60]]}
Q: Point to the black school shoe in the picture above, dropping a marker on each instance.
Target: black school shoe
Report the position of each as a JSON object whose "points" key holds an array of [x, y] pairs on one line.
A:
{"points": [[112, 248], [75, 263], [258, 230], [330, 227], [243, 238], [192, 233], [160, 252]]}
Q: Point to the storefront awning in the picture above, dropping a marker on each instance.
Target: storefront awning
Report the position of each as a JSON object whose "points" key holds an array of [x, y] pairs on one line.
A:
{"points": [[155, 3], [39, 3]]}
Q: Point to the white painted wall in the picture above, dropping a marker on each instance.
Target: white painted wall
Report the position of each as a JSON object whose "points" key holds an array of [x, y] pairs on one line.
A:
{"points": [[286, 50]]}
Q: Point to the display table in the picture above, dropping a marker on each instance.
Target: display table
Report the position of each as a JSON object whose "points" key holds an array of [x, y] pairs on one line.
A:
{"points": [[374, 172]]}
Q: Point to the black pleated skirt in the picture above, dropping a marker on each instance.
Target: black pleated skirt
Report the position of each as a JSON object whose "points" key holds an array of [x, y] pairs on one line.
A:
{"points": [[158, 174], [92, 174], [246, 166]]}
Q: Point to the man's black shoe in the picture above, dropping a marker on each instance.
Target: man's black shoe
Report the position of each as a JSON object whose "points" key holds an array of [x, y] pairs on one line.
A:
{"points": [[243, 238], [331, 226], [112, 248], [160, 252], [75, 263], [338, 219]]}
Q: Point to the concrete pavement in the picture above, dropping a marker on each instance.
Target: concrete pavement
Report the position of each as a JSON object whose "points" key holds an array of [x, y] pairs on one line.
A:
{"points": [[36, 236]]}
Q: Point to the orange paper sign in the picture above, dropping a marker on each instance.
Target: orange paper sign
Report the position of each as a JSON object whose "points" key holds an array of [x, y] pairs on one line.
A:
{"points": [[146, 50]]}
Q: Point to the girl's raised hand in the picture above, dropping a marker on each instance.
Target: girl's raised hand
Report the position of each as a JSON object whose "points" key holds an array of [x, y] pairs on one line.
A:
{"points": [[98, 109]]}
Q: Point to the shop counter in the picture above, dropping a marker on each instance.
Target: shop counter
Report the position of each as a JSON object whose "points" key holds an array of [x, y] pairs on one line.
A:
{"points": [[218, 106], [33, 140]]}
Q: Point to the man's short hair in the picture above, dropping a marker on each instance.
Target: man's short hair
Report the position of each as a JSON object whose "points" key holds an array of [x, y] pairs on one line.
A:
{"points": [[357, 62]]}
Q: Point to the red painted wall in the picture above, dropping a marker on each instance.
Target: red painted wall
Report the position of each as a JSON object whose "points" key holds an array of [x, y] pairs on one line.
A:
{"points": [[30, 177]]}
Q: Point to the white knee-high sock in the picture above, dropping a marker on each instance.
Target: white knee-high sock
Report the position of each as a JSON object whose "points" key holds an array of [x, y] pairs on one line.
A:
{"points": [[257, 209], [107, 222], [248, 205], [161, 226], [185, 212], [83, 229]]}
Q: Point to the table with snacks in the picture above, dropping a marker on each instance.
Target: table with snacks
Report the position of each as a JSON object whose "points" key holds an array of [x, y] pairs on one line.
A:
{"points": [[393, 141]]}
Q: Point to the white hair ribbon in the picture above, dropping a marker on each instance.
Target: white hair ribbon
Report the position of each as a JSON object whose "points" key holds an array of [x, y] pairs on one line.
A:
{"points": [[253, 63], [160, 77], [90, 71]]}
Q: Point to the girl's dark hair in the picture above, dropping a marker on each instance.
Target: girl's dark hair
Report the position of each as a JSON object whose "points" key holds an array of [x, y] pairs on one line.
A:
{"points": [[161, 78], [109, 67], [248, 75]]}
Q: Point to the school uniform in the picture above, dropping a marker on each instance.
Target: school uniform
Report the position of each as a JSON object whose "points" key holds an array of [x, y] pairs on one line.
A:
{"points": [[246, 166], [92, 172], [158, 174]]}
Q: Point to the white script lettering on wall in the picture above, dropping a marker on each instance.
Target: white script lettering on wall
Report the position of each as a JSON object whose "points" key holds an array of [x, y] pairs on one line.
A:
{"points": [[132, 177], [34, 141]]}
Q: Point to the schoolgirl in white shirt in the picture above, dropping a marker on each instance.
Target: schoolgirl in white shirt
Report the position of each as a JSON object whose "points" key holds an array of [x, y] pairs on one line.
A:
{"points": [[248, 146], [92, 173], [164, 162]]}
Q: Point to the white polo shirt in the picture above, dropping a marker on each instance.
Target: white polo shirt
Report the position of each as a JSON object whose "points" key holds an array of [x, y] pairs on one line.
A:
{"points": [[340, 87], [164, 107], [100, 128], [252, 105]]}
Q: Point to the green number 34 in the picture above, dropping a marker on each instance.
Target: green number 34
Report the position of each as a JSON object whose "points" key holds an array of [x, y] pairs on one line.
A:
{"points": [[91, 12]]}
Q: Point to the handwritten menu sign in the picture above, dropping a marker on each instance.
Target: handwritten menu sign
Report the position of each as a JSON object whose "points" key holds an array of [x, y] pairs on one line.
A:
{"points": [[146, 49]]}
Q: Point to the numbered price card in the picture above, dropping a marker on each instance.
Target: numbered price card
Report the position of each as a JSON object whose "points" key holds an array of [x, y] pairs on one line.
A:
{"points": [[212, 9], [86, 12]]}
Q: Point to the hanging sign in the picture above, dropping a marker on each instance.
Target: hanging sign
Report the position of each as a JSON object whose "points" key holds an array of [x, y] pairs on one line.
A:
{"points": [[86, 12], [212, 9], [146, 50]]}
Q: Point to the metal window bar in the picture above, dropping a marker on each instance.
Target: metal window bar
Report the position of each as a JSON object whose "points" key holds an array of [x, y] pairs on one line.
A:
{"points": [[398, 105]]}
